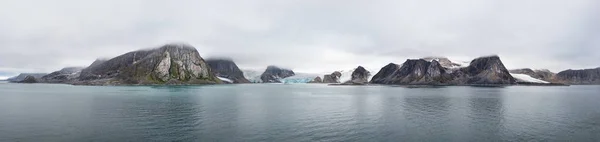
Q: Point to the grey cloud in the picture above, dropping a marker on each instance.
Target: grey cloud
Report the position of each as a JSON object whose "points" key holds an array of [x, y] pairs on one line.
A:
{"points": [[312, 35]]}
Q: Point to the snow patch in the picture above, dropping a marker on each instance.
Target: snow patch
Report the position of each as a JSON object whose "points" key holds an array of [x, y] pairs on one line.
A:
{"points": [[225, 79], [527, 78]]}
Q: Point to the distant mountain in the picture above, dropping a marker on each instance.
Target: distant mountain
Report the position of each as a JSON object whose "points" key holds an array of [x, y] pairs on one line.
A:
{"points": [[22, 76], [168, 64], [360, 76], [274, 74], [578, 77], [480, 71], [226, 68], [65, 75], [253, 75]]}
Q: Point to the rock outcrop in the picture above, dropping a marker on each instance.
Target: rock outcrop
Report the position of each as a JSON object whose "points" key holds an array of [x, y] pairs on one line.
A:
{"points": [[22, 76], [65, 75], [174, 64], [274, 74], [484, 70], [29, 79], [360, 76], [316, 80], [545, 75], [226, 68], [332, 78], [578, 77]]}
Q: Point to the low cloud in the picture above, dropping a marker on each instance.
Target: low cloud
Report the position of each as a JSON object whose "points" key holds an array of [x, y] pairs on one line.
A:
{"points": [[305, 35]]}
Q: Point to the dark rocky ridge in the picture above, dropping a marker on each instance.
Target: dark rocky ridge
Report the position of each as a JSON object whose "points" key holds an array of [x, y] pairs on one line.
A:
{"points": [[484, 70], [360, 76], [65, 75], [545, 75], [332, 78], [226, 68], [273, 74], [22, 76], [169, 64], [578, 77]]}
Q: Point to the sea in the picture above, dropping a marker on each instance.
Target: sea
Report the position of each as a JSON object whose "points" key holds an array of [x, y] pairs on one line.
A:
{"points": [[297, 113]]}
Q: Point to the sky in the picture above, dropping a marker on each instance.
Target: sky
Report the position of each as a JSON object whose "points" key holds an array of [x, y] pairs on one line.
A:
{"points": [[303, 35]]}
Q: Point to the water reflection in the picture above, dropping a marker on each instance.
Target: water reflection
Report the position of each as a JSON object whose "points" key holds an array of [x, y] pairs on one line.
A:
{"points": [[486, 107], [423, 107]]}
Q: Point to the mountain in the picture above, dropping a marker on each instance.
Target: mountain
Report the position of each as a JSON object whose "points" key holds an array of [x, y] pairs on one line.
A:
{"points": [[22, 76], [226, 68], [65, 75], [578, 77], [169, 64], [253, 75], [332, 78], [274, 74], [316, 80], [299, 77], [360, 76], [483, 70]]}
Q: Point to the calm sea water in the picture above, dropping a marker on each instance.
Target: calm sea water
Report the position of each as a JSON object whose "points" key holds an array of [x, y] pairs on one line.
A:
{"points": [[278, 112]]}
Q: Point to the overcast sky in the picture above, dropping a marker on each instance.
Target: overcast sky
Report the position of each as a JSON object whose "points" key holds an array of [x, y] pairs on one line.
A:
{"points": [[304, 35]]}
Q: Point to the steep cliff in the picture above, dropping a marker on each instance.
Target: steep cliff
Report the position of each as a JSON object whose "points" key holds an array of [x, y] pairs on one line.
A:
{"points": [[226, 68], [578, 77]]}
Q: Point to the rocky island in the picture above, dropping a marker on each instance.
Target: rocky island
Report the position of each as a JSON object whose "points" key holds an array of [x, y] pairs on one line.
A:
{"points": [[274, 74]]}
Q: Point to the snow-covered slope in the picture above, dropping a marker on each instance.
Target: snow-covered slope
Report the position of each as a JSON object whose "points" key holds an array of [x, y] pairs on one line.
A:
{"points": [[225, 79], [527, 78], [253, 75]]}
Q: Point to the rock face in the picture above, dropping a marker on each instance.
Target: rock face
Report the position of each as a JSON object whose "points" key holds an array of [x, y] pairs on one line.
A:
{"points": [[332, 78], [360, 76], [170, 64], [386, 74], [65, 75], [316, 80], [484, 70], [22, 76], [227, 69], [274, 74], [545, 75], [579, 77], [417, 71], [29, 79]]}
